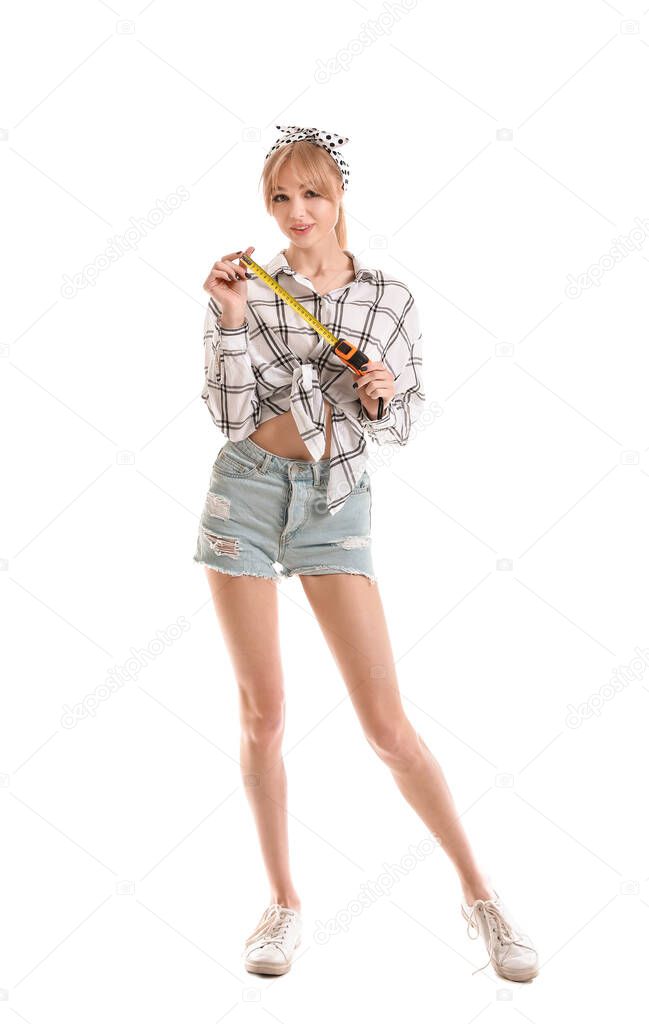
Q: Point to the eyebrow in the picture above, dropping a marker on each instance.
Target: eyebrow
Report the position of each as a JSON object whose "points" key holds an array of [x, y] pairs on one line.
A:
{"points": [[278, 187]]}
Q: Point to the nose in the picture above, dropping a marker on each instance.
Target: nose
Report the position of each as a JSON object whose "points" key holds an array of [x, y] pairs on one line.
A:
{"points": [[296, 210]]}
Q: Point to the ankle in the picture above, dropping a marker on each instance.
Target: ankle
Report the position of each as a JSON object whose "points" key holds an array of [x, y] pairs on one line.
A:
{"points": [[477, 890], [293, 901]]}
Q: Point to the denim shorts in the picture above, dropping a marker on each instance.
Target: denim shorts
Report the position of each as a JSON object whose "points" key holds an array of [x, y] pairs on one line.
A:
{"points": [[267, 516]]}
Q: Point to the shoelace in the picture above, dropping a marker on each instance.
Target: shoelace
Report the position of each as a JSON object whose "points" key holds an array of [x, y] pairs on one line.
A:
{"points": [[503, 932], [272, 926]]}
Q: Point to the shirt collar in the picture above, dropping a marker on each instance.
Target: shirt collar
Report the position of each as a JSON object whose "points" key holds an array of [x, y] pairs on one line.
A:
{"points": [[280, 263]]}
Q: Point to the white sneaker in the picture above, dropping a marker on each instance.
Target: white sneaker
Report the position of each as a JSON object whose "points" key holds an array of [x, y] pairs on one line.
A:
{"points": [[269, 949], [510, 951]]}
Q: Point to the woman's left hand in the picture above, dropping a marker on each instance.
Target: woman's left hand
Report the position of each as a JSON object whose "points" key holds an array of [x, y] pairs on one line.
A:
{"points": [[376, 382]]}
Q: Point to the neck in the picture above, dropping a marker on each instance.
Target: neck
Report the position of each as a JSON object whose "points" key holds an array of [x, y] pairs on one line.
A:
{"points": [[326, 257]]}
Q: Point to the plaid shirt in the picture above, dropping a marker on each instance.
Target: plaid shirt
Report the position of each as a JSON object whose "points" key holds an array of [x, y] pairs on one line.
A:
{"points": [[275, 363]]}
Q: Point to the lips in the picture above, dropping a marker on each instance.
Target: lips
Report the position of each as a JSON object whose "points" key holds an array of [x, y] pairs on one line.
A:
{"points": [[302, 230]]}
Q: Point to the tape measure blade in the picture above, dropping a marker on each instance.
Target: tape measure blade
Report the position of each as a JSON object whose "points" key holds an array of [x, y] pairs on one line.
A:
{"points": [[291, 301]]}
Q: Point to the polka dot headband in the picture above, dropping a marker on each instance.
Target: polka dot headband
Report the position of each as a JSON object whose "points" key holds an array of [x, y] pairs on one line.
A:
{"points": [[328, 140]]}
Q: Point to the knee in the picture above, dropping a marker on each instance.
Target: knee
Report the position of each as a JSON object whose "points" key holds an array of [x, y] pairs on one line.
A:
{"points": [[397, 744], [262, 719]]}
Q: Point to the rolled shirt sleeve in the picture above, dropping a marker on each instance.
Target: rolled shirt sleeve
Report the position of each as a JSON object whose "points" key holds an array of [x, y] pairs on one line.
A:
{"points": [[403, 357], [230, 386]]}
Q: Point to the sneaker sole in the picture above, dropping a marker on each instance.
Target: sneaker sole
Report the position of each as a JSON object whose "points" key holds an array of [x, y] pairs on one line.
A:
{"points": [[522, 976], [261, 968]]}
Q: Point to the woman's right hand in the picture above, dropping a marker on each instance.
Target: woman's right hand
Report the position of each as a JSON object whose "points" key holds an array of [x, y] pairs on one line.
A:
{"points": [[227, 283]]}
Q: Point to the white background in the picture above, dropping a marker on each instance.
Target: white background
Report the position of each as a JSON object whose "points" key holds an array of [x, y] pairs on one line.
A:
{"points": [[496, 149]]}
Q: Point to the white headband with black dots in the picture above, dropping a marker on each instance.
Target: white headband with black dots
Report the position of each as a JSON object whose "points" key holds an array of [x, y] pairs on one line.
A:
{"points": [[328, 140]]}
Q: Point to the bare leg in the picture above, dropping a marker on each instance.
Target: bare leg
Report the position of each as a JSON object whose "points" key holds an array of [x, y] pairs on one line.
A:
{"points": [[246, 607], [350, 612]]}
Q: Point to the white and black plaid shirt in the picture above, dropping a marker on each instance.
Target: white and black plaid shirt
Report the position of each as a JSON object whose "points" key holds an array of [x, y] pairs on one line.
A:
{"points": [[275, 363]]}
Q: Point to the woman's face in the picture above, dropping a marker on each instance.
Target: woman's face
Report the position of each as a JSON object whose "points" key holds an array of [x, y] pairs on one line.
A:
{"points": [[294, 203]]}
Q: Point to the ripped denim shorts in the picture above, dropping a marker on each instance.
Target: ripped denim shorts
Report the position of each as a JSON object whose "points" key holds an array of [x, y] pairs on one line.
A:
{"points": [[267, 516]]}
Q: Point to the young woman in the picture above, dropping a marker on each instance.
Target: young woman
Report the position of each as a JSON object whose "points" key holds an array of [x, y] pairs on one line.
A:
{"points": [[289, 488]]}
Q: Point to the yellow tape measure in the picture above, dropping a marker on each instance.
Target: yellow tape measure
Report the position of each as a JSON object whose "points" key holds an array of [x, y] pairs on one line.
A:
{"points": [[352, 356]]}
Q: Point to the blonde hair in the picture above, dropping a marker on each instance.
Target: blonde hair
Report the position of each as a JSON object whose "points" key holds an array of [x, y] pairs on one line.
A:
{"points": [[316, 168]]}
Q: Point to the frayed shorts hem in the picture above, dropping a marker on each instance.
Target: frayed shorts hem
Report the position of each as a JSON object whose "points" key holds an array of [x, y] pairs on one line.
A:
{"points": [[313, 570], [326, 570], [231, 572]]}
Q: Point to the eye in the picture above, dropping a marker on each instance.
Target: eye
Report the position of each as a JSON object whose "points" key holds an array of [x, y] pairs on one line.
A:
{"points": [[282, 195]]}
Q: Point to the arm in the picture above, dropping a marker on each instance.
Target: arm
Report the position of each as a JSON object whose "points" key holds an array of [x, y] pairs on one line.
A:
{"points": [[230, 388], [404, 351]]}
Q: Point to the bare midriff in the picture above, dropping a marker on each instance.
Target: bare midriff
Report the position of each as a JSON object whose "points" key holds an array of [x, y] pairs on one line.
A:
{"points": [[280, 436]]}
